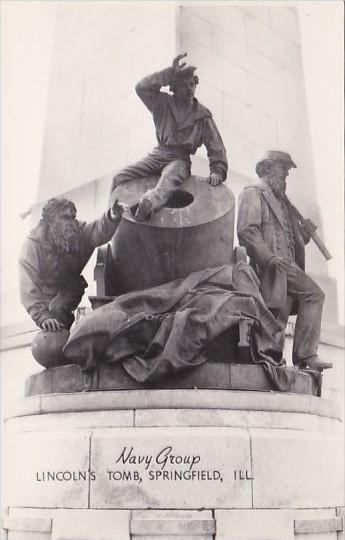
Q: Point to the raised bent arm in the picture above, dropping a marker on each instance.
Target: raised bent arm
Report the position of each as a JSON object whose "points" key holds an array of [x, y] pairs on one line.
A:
{"points": [[148, 89]]}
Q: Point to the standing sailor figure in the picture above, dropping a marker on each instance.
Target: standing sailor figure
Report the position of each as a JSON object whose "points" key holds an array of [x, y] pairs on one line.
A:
{"points": [[274, 238]]}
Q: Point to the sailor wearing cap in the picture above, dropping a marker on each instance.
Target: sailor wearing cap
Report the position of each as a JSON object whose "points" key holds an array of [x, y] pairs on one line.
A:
{"points": [[275, 241], [182, 125]]}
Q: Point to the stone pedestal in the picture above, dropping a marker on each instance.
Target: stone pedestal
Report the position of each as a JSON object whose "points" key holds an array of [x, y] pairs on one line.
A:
{"points": [[210, 375], [161, 464]]}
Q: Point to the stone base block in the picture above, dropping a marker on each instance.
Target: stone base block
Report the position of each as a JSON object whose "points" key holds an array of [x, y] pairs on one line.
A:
{"points": [[66, 379], [67, 524], [167, 524], [227, 524], [174, 449]]}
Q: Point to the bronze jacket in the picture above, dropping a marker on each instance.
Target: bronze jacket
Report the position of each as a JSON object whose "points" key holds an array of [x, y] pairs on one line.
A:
{"points": [[43, 271], [197, 128], [260, 229]]}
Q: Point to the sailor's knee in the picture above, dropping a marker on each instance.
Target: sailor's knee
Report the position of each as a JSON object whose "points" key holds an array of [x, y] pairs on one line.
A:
{"points": [[318, 294], [321, 295], [119, 179]]}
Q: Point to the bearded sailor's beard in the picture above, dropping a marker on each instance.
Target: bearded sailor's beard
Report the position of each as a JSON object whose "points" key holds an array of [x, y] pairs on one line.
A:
{"points": [[65, 238], [278, 187]]}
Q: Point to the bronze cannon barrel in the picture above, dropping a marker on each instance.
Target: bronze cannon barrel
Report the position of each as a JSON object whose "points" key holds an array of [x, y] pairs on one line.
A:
{"points": [[193, 231]]}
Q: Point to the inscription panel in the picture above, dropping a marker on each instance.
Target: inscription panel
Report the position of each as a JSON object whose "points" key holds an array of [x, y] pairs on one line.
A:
{"points": [[185, 468]]}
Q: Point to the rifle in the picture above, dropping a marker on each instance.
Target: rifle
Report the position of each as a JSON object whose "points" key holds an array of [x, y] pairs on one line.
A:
{"points": [[313, 234]]}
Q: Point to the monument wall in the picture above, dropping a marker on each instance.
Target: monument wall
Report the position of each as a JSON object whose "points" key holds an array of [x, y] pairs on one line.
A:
{"points": [[95, 122]]}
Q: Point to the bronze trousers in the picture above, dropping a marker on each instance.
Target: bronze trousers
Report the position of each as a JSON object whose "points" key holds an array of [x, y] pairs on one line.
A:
{"points": [[173, 166], [309, 298]]}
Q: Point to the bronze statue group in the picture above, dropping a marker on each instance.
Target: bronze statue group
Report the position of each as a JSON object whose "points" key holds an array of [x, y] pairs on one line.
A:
{"points": [[152, 341]]}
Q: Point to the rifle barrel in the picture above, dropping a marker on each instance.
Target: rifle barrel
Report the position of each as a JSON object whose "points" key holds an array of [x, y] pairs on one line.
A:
{"points": [[321, 246], [313, 235]]}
